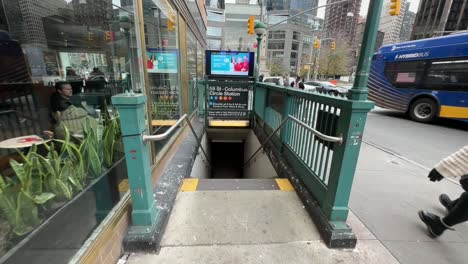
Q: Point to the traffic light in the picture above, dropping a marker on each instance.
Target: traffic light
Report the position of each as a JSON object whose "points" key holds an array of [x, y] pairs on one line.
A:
{"points": [[356, 53], [333, 46], [90, 36], [395, 6], [251, 25], [170, 24], [107, 35], [317, 44]]}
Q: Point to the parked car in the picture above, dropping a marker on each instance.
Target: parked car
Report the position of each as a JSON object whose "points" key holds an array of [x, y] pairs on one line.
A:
{"points": [[275, 80], [309, 87], [327, 87]]}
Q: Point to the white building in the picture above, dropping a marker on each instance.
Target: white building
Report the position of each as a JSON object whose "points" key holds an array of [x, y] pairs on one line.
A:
{"points": [[391, 25]]}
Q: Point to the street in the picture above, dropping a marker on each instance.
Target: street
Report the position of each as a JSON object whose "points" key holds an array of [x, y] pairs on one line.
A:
{"points": [[391, 185]]}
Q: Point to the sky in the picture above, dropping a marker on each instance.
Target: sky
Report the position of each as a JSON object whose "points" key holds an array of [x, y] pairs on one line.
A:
{"points": [[365, 4]]}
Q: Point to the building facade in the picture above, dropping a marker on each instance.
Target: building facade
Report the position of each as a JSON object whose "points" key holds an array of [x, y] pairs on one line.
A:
{"points": [[341, 20], [407, 24], [227, 24], [392, 25], [440, 17], [360, 35], [289, 44]]}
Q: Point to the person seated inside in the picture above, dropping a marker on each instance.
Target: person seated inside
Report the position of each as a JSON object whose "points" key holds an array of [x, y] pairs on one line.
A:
{"points": [[65, 114], [96, 72]]}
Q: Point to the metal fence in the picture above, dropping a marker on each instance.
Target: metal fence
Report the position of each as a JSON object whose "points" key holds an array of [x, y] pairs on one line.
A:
{"points": [[326, 168]]}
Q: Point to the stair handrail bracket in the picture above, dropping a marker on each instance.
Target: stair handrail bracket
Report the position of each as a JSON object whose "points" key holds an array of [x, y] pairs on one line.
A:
{"points": [[179, 122], [319, 137]]}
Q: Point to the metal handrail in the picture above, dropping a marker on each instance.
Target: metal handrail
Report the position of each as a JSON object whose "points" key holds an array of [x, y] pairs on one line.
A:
{"points": [[169, 131], [338, 140]]}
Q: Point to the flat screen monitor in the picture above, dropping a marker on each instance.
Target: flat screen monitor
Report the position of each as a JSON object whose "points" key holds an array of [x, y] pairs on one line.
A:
{"points": [[230, 63]]}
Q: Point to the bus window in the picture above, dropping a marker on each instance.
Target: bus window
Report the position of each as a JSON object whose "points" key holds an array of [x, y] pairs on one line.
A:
{"points": [[408, 74], [448, 75]]}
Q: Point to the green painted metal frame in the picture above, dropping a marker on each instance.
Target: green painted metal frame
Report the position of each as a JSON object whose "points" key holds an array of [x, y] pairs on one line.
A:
{"points": [[295, 146], [132, 110]]}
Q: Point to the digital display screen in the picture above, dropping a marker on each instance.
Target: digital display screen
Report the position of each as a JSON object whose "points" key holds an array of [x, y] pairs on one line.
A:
{"points": [[230, 63], [162, 61]]}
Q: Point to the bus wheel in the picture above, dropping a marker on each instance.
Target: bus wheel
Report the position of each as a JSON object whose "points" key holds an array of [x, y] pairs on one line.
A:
{"points": [[423, 110]]}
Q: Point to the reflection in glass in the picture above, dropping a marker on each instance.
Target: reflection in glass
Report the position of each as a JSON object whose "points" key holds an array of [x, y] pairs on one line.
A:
{"points": [[79, 53]]}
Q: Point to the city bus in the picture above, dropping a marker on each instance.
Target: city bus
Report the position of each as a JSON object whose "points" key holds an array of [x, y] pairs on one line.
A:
{"points": [[427, 78]]}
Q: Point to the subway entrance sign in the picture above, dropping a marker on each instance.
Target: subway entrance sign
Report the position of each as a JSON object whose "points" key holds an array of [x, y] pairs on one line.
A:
{"points": [[228, 103]]}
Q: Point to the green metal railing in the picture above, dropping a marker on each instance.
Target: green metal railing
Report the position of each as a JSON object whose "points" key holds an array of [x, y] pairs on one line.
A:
{"points": [[326, 168]]}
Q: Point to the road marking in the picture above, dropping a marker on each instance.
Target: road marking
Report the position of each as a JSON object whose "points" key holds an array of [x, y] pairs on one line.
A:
{"points": [[284, 185], [189, 185]]}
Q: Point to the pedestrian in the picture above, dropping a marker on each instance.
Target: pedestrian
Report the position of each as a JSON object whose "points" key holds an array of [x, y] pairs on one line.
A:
{"points": [[454, 166], [297, 83]]}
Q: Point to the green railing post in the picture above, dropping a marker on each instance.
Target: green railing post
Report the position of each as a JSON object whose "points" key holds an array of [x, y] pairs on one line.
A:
{"points": [[132, 110], [344, 161], [359, 90], [351, 125]]}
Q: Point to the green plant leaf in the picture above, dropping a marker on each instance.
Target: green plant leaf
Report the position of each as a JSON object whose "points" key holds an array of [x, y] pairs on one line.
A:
{"points": [[64, 189], [36, 176], [20, 171], [7, 204], [43, 198]]}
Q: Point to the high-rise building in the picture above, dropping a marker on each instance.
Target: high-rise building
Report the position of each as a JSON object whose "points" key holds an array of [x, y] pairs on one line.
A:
{"points": [[293, 6], [391, 25], [92, 12], [289, 44], [407, 24], [440, 17], [227, 24], [341, 20], [360, 34], [25, 18]]}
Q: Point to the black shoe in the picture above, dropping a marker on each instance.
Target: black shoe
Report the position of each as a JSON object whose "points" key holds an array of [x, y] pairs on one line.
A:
{"points": [[446, 202], [433, 223]]}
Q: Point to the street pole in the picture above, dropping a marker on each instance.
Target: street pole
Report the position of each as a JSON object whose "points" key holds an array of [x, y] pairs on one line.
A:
{"points": [[359, 90], [259, 42], [318, 58], [260, 29], [310, 59]]}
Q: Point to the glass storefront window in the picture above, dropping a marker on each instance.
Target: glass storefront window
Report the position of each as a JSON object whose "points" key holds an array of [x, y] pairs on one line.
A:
{"points": [[60, 63], [192, 68], [162, 62]]}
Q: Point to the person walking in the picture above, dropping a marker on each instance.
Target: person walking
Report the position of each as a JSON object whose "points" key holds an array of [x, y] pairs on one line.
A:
{"points": [[454, 166], [298, 83]]}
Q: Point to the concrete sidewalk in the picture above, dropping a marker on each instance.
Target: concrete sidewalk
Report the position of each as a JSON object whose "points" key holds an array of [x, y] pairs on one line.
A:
{"points": [[387, 193], [255, 226]]}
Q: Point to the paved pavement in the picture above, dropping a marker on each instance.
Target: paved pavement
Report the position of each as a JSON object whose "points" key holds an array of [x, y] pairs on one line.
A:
{"points": [[391, 185], [255, 226]]}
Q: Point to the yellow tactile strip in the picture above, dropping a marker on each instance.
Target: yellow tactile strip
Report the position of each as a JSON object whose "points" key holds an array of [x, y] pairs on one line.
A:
{"points": [[192, 184], [189, 185], [123, 185], [284, 185]]}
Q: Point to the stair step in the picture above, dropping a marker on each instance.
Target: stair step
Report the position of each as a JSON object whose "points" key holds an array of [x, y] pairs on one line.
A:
{"points": [[191, 184]]}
